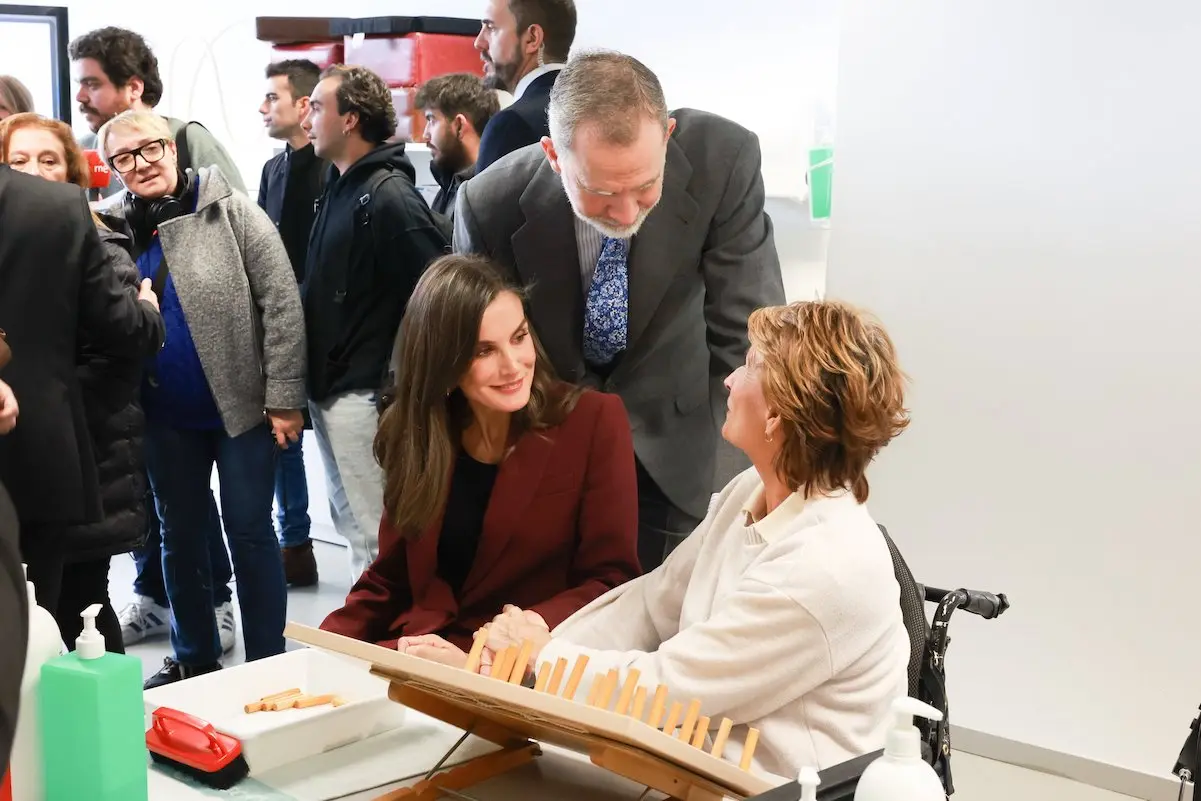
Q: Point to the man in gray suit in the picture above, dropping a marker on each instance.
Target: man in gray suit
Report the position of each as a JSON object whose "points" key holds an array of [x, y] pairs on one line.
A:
{"points": [[646, 245]]}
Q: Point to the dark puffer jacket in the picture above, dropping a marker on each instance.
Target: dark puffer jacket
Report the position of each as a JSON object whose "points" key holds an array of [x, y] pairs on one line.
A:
{"points": [[111, 383]]}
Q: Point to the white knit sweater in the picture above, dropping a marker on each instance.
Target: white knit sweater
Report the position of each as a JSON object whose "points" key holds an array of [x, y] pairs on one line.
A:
{"points": [[791, 625]]}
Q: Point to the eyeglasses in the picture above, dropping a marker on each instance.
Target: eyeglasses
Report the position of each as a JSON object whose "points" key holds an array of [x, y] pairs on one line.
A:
{"points": [[150, 153]]}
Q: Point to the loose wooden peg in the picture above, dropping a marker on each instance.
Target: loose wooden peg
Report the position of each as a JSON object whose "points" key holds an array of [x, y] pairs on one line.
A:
{"points": [[577, 675], [639, 704], [543, 678], [748, 749], [658, 705], [702, 729], [521, 663], [723, 734], [476, 652], [694, 712], [556, 676], [673, 717], [627, 691]]}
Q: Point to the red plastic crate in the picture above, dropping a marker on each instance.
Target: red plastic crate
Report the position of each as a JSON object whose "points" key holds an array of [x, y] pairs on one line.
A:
{"points": [[410, 122], [323, 54], [411, 60]]}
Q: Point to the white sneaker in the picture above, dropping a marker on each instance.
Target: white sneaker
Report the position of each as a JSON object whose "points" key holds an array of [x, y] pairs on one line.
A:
{"points": [[143, 618], [227, 626]]}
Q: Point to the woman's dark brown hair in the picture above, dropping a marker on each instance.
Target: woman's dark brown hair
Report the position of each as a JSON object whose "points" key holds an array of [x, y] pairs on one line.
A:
{"points": [[830, 371], [419, 433]]}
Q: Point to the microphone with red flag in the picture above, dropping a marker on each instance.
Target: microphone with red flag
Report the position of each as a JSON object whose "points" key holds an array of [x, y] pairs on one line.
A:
{"points": [[99, 175]]}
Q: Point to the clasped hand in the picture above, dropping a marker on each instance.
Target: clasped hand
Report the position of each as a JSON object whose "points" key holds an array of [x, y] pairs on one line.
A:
{"points": [[511, 627]]}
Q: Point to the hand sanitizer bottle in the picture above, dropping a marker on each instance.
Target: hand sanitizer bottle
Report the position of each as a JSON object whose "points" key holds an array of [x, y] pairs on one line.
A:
{"points": [[93, 723], [901, 774], [45, 643]]}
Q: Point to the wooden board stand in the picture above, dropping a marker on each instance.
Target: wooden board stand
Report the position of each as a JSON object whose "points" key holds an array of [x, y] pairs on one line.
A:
{"points": [[609, 727]]}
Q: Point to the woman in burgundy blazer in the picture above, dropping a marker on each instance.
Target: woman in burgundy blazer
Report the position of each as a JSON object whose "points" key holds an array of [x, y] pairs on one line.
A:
{"points": [[537, 502]]}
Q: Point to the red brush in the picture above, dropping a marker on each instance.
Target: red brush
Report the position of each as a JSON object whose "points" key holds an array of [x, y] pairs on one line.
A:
{"points": [[193, 746]]}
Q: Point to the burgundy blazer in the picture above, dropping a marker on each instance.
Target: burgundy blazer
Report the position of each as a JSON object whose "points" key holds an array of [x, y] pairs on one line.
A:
{"points": [[560, 530]]}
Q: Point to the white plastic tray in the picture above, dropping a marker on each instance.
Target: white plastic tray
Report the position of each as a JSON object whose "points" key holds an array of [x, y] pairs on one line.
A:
{"points": [[273, 739]]}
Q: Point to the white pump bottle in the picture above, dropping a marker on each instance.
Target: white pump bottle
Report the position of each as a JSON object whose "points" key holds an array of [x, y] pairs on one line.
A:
{"points": [[901, 774], [45, 643], [809, 780]]}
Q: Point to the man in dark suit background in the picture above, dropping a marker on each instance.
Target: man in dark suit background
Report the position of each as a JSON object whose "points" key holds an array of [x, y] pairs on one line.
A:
{"points": [[644, 237], [56, 280], [14, 625], [523, 44]]}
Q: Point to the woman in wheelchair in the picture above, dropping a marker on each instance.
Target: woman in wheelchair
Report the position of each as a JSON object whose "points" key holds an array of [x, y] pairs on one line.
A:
{"points": [[781, 611]]}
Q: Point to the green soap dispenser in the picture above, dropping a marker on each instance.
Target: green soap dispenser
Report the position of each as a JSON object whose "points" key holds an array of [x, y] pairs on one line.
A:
{"points": [[93, 722]]}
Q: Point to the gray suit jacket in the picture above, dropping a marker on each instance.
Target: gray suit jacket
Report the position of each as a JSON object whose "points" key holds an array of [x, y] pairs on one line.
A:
{"points": [[703, 261]]}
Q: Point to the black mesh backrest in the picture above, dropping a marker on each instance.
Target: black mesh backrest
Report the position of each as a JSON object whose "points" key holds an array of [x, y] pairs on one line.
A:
{"points": [[913, 612]]}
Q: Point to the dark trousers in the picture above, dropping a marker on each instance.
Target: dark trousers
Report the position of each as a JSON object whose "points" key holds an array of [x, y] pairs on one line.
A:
{"points": [[84, 584], [180, 463], [149, 559], [661, 524], [42, 548]]}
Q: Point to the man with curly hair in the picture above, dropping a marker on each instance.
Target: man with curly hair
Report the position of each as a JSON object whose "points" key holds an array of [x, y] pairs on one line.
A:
{"points": [[116, 71], [372, 239]]}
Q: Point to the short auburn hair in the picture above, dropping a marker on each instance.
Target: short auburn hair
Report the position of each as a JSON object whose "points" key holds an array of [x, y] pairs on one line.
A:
{"points": [[830, 371], [78, 171]]}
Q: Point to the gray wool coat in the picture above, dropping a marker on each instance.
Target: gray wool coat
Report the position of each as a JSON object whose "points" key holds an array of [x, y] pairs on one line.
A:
{"points": [[239, 297]]}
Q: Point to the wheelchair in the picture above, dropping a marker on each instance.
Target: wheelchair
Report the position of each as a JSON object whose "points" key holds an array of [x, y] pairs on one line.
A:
{"points": [[928, 642]]}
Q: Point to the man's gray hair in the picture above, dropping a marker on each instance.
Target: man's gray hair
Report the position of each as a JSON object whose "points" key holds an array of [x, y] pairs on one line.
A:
{"points": [[609, 90]]}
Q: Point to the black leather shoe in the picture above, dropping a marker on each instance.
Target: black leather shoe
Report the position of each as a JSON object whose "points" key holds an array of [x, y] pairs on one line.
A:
{"points": [[172, 672]]}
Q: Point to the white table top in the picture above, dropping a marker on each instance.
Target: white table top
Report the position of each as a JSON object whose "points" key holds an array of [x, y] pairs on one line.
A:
{"points": [[557, 773]]}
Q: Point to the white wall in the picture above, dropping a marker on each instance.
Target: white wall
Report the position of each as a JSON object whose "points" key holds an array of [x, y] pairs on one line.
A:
{"points": [[1018, 199]]}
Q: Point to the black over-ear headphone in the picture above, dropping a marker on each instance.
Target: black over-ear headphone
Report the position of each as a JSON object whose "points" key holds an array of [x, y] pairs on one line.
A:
{"points": [[145, 216]]}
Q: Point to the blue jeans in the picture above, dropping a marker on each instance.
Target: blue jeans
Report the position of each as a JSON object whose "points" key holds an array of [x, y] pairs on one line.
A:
{"points": [[149, 560], [292, 495], [180, 463]]}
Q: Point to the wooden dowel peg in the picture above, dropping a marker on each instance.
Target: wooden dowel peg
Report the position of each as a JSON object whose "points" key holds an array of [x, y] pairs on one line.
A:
{"points": [[598, 681], [694, 712], [723, 734], [477, 651], [577, 674], [673, 717], [748, 749], [607, 688], [543, 678], [702, 730], [639, 704], [556, 676], [521, 663], [266, 699], [658, 705], [627, 691], [502, 665]]}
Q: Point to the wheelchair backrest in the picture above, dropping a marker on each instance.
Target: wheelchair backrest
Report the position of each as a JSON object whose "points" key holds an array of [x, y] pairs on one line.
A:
{"points": [[913, 613]]}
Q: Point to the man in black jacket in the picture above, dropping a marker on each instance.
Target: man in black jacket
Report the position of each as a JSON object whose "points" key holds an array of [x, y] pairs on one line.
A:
{"points": [[524, 44], [46, 462], [457, 107], [288, 191], [373, 237]]}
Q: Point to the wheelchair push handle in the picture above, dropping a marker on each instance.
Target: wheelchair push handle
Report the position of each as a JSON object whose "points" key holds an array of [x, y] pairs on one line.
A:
{"points": [[985, 604]]}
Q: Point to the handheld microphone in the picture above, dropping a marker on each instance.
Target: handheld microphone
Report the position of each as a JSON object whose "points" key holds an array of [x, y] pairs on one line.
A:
{"points": [[99, 175]]}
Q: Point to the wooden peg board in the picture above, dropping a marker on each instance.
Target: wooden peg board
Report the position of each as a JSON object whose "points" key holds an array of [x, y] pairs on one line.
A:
{"points": [[670, 758]]}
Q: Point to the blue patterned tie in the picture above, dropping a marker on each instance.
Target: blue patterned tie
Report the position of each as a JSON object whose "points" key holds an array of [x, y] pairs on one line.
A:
{"points": [[607, 313]]}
